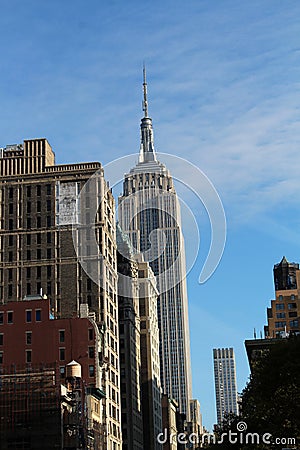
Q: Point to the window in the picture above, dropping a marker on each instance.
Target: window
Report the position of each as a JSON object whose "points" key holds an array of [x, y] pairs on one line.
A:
{"points": [[49, 271], [28, 191], [38, 315], [10, 224], [62, 371], [1, 357], [38, 222], [279, 306], [293, 314], [11, 193], [292, 297], [10, 240], [28, 222], [10, 208], [28, 337], [1, 317], [10, 290], [48, 253], [48, 189], [28, 272], [38, 206], [28, 356], [28, 239], [10, 256], [10, 274], [28, 255], [61, 354], [91, 334], [61, 335], [28, 207], [28, 315], [38, 191], [1, 338], [89, 299], [48, 205], [294, 323], [38, 272], [38, 238], [280, 315], [91, 352], [49, 222], [280, 297], [91, 370], [28, 289], [280, 324], [38, 253], [292, 305], [49, 238]]}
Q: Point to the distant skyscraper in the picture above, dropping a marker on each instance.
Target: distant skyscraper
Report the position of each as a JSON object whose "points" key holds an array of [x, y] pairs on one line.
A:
{"points": [[225, 382], [149, 213]]}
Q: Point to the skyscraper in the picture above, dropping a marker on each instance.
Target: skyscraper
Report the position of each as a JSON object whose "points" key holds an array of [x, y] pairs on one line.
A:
{"points": [[225, 382], [149, 212]]}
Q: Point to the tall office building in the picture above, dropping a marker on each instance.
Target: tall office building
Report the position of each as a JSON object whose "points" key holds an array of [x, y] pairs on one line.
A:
{"points": [[39, 208], [225, 382], [130, 354], [150, 364], [284, 314], [149, 212]]}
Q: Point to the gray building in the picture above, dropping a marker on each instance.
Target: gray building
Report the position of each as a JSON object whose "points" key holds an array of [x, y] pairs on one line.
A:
{"points": [[149, 212], [225, 382]]}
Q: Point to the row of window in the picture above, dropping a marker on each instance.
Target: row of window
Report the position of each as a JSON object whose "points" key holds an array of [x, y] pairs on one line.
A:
{"points": [[29, 190], [280, 297], [281, 306], [29, 255], [28, 314], [28, 359], [29, 207], [282, 315], [29, 239], [29, 223], [282, 324]]}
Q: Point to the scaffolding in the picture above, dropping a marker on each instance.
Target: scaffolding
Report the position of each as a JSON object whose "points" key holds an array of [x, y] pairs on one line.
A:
{"points": [[30, 407]]}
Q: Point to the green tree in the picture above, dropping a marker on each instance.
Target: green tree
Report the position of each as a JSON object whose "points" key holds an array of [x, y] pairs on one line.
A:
{"points": [[271, 399]]}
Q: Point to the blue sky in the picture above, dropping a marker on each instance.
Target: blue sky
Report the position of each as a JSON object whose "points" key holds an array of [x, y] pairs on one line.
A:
{"points": [[224, 94]]}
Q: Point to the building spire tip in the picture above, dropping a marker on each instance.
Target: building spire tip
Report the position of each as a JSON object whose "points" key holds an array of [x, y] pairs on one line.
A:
{"points": [[145, 101]]}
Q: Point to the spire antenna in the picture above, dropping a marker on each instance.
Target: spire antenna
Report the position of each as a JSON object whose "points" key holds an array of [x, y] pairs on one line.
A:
{"points": [[145, 101]]}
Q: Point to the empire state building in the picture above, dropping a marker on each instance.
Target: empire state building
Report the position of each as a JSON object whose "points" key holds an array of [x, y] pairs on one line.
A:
{"points": [[149, 212]]}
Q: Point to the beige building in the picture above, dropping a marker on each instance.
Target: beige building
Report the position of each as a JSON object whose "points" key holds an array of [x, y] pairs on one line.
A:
{"points": [[194, 428], [41, 215], [130, 352], [284, 314], [169, 423], [150, 362]]}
